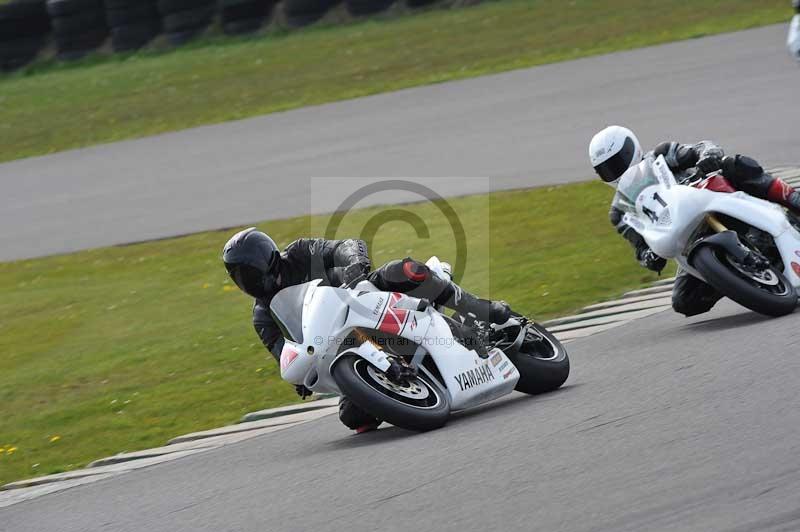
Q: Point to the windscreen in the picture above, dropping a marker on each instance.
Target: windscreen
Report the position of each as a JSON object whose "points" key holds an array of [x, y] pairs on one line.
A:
{"points": [[287, 311], [634, 181]]}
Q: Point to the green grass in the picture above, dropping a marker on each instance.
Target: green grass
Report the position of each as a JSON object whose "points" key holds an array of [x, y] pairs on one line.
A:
{"points": [[55, 107], [122, 348]]}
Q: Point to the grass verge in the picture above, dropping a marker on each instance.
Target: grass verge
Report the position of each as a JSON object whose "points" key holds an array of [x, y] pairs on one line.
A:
{"points": [[125, 347], [55, 107]]}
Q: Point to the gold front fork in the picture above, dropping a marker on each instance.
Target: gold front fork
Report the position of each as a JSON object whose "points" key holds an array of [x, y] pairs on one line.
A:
{"points": [[365, 338], [715, 224]]}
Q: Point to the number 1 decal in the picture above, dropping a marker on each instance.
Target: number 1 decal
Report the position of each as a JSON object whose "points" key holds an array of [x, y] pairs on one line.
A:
{"points": [[650, 214], [659, 199]]}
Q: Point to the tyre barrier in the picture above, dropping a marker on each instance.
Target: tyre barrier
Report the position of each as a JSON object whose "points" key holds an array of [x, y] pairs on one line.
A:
{"points": [[419, 3], [362, 8], [183, 20], [79, 26], [24, 26], [133, 23], [244, 16], [301, 13]]}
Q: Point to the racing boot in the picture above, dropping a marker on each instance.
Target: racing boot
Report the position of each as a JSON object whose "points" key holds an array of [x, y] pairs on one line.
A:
{"points": [[784, 194], [354, 418], [481, 309]]}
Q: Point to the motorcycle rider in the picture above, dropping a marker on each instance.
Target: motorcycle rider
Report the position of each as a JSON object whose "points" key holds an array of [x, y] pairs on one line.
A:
{"points": [[793, 40], [261, 270], [615, 149]]}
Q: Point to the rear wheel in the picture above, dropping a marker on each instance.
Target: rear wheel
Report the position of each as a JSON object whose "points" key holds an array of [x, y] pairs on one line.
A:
{"points": [[422, 405], [541, 360], [765, 291]]}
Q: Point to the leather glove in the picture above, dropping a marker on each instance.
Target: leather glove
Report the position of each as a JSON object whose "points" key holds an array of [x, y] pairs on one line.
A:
{"points": [[708, 164], [500, 312], [354, 272], [650, 260], [302, 391]]}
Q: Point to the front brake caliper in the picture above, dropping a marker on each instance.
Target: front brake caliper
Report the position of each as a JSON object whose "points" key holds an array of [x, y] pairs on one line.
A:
{"points": [[400, 373]]}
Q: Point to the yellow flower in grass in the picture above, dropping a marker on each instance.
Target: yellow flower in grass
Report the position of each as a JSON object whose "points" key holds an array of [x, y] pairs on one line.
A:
{"points": [[11, 450], [54, 439], [228, 288]]}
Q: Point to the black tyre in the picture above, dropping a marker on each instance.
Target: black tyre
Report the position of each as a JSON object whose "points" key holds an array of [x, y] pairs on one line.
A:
{"points": [[421, 406], [766, 292], [241, 27], [234, 10], [542, 362], [26, 19], [132, 15], [133, 36], [79, 22], [165, 7], [19, 52], [178, 38], [360, 8], [304, 12], [125, 4], [419, 3], [71, 47], [179, 21], [62, 8], [129, 4], [301, 20], [22, 10]]}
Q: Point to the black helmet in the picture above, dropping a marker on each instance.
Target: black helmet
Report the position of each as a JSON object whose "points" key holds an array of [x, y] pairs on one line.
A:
{"points": [[252, 258]]}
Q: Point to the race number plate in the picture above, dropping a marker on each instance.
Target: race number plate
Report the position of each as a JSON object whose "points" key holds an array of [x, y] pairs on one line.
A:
{"points": [[652, 205]]}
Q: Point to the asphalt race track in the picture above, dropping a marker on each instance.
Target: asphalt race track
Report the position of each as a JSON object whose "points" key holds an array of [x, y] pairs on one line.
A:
{"points": [[522, 128], [665, 424]]}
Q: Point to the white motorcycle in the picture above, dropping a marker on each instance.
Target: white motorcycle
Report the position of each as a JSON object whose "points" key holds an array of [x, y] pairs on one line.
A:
{"points": [[746, 248], [344, 341], [793, 39]]}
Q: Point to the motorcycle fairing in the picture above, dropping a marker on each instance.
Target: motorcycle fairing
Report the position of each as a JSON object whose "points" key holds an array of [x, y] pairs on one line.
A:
{"points": [[667, 215], [330, 314]]}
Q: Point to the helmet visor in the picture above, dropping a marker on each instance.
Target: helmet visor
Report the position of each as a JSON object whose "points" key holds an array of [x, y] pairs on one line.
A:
{"points": [[613, 168], [251, 280]]}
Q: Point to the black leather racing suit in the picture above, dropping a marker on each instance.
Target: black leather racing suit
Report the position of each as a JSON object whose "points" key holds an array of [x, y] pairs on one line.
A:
{"points": [[691, 296]]}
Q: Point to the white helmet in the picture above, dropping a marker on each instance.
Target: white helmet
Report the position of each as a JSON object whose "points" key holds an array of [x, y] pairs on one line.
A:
{"points": [[613, 151]]}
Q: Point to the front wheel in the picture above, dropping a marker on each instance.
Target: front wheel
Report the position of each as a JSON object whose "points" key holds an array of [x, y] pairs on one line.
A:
{"points": [[766, 291], [541, 360], [422, 405]]}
